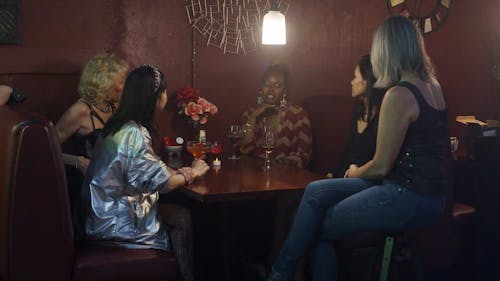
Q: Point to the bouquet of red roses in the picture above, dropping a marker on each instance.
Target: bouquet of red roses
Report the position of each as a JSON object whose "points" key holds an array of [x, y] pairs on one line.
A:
{"points": [[193, 106]]}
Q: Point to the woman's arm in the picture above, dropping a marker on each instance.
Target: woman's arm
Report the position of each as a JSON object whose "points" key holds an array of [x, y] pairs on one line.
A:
{"points": [[79, 162], [343, 165], [399, 108], [71, 121], [197, 169], [67, 126]]}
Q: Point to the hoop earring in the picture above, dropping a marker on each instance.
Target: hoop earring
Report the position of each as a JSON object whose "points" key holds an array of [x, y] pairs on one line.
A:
{"points": [[283, 101], [260, 100]]}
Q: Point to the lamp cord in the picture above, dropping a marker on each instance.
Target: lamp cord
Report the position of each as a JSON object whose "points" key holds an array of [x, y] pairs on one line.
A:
{"points": [[273, 5]]}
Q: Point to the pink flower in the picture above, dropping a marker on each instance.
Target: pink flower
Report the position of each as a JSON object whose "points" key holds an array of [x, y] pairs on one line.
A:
{"points": [[204, 104], [198, 109], [213, 109], [193, 109]]}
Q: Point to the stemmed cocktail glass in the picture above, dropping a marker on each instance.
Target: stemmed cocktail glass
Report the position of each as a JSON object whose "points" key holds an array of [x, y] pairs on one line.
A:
{"points": [[268, 145], [198, 148]]}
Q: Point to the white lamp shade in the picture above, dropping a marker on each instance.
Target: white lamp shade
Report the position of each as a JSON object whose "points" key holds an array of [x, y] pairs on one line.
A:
{"points": [[274, 29]]}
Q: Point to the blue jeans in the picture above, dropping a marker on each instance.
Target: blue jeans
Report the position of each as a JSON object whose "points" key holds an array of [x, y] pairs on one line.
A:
{"points": [[333, 208]]}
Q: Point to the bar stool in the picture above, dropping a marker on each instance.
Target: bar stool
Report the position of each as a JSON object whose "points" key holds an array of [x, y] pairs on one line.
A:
{"points": [[399, 248]]}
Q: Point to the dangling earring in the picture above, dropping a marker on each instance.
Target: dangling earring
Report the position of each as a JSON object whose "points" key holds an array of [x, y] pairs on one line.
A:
{"points": [[283, 101], [260, 100]]}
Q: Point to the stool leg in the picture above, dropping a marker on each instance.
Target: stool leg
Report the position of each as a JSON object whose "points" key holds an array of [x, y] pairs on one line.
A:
{"points": [[386, 259]]}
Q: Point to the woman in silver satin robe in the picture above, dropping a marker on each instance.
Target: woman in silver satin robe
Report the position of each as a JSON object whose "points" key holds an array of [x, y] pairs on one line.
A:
{"points": [[124, 178]]}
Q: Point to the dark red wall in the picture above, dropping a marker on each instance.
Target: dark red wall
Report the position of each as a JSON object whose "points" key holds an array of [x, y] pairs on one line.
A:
{"points": [[325, 39]]}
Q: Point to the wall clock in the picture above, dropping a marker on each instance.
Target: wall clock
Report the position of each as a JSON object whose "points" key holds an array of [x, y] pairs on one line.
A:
{"points": [[428, 15]]}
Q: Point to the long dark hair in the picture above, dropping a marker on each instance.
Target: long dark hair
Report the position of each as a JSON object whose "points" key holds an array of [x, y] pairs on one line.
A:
{"points": [[142, 89], [369, 105]]}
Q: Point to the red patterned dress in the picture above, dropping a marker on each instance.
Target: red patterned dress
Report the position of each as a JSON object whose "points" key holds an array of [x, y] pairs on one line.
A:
{"points": [[293, 137]]}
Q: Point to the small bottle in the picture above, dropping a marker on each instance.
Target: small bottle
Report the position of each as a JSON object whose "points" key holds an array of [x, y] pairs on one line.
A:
{"points": [[203, 136]]}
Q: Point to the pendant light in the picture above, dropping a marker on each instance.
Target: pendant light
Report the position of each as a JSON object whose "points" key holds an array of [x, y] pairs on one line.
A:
{"points": [[274, 26]]}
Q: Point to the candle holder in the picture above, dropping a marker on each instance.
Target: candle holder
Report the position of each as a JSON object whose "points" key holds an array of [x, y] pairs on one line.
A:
{"points": [[173, 156]]}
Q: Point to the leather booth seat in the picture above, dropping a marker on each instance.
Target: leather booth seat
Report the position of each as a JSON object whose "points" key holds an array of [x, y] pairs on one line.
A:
{"points": [[36, 236]]}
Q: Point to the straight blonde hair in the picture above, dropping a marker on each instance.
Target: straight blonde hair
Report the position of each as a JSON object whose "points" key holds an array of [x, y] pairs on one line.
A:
{"points": [[399, 46]]}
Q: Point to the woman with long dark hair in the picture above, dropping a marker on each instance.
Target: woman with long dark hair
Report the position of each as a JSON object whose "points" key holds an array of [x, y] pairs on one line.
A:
{"points": [[363, 134], [125, 177]]}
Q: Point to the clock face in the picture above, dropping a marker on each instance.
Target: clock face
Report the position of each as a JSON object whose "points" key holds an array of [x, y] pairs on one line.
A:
{"points": [[428, 15]]}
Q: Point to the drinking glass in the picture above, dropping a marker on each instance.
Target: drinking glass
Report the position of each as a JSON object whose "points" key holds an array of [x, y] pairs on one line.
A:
{"points": [[454, 147], [198, 149], [234, 136], [268, 146], [454, 144]]}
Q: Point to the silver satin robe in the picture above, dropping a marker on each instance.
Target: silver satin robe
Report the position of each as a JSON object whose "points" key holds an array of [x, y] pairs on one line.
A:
{"points": [[120, 191]]}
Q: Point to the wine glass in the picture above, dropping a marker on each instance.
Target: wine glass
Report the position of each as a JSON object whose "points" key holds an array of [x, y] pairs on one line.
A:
{"points": [[198, 148], [234, 136], [268, 146]]}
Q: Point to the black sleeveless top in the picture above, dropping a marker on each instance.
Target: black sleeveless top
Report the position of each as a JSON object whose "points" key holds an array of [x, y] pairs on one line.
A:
{"points": [[422, 162], [83, 145], [360, 146]]}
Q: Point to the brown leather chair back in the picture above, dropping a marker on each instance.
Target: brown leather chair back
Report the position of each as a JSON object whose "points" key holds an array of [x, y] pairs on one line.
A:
{"points": [[36, 238]]}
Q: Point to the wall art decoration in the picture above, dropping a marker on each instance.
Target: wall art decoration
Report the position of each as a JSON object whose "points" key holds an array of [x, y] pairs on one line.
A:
{"points": [[234, 26]]}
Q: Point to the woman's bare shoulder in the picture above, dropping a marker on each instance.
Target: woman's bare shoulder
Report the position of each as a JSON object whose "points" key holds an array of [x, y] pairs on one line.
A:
{"points": [[399, 94], [77, 111]]}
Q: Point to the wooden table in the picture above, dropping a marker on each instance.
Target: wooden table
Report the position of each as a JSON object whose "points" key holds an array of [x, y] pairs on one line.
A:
{"points": [[245, 179], [216, 200]]}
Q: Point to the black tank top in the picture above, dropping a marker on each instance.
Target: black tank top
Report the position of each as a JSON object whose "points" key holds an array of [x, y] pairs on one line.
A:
{"points": [[360, 146], [83, 145], [422, 162]]}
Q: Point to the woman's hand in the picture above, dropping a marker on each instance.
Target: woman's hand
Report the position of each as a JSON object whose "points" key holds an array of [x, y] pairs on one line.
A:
{"points": [[82, 164], [200, 167], [252, 119], [351, 169]]}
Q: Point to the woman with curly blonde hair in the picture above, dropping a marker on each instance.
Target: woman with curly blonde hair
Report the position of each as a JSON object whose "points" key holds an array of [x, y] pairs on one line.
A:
{"points": [[100, 87]]}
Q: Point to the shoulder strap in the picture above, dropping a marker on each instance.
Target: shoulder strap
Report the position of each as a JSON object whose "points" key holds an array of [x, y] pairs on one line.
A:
{"points": [[93, 114], [414, 90], [96, 115]]}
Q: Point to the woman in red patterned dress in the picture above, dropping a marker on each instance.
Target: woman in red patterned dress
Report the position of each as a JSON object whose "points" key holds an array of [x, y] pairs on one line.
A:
{"points": [[273, 111]]}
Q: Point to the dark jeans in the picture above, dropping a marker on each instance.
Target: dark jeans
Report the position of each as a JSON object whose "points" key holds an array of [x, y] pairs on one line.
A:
{"points": [[333, 208]]}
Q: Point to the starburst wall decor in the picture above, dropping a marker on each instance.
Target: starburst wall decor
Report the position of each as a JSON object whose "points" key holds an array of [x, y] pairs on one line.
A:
{"points": [[234, 26]]}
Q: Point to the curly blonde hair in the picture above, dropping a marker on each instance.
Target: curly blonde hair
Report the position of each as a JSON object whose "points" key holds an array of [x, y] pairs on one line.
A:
{"points": [[99, 75]]}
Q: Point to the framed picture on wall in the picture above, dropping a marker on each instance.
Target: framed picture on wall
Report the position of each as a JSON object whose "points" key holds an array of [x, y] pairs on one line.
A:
{"points": [[9, 22]]}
